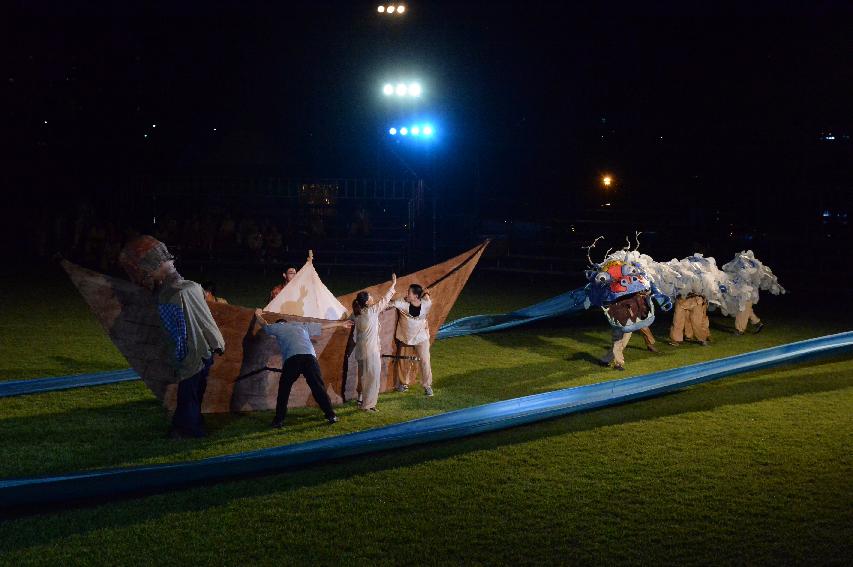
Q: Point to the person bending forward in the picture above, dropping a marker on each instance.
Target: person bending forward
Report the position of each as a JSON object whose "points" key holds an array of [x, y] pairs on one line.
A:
{"points": [[299, 358]]}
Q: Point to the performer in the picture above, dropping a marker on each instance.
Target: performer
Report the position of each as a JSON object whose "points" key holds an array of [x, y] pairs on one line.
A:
{"points": [[413, 330], [299, 358], [690, 320], [615, 355], [365, 313], [749, 276], [287, 276], [188, 327], [210, 293], [745, 317], [620, 340], [649, 339]]}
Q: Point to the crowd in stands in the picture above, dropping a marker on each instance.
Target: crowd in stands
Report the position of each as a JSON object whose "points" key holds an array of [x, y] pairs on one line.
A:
{"points": [[89, 236]]}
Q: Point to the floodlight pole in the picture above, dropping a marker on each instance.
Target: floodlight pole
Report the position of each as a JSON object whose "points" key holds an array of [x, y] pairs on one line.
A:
{"points": [[432, 190], [434, 200]]}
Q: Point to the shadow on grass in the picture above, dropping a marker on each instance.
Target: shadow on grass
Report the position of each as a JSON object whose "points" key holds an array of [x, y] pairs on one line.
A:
{"points": [[70, 366], [132, 433], [23, 532]]}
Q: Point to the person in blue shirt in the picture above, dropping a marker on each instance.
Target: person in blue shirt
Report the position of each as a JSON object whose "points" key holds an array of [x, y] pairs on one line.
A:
{"points": [[299, 358]]}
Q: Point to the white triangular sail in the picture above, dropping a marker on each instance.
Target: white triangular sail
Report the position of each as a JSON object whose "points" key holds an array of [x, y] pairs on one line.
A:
{"points": [[307, 296]]}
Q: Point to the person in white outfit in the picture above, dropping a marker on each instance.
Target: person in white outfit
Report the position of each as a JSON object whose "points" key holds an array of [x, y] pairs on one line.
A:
{"points": [[413, 330], [365, 313]]}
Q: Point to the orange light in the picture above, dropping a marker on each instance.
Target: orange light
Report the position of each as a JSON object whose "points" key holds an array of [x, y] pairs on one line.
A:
{"points": [[607, 181]]}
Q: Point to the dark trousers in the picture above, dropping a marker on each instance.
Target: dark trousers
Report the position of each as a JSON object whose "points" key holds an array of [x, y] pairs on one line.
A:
{"points": [[306, 365], [188, 419]]}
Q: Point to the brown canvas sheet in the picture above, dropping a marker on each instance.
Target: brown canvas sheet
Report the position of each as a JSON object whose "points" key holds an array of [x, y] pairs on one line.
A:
{"points": [[237, 381]]}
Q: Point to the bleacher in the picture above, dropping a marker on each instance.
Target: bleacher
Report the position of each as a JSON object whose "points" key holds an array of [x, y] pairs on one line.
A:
{"points": [[357, 226]]}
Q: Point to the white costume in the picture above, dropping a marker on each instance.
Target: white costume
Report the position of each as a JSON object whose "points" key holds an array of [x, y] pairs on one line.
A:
{"points": [[750, 276], [367, 349], [414, 331]]}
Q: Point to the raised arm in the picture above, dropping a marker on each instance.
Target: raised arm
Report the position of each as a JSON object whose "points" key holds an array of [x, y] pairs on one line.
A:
{"points": [[382, 304]]}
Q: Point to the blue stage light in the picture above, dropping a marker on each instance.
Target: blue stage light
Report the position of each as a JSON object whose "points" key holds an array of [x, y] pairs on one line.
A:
{"points": [[393, 131], [428, 130], [416, 131], [404, 131]]}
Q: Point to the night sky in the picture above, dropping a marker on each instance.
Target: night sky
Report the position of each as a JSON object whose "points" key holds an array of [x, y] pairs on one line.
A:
{"points": [[532, 101]]}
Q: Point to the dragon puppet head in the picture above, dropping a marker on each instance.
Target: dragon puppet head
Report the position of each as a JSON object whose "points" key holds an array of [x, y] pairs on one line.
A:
{"points": [[620, 286]]}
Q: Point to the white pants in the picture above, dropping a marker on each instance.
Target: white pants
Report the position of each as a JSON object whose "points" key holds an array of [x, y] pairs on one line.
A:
{"points": [[369, 372], [620, 341], [426, 370]]}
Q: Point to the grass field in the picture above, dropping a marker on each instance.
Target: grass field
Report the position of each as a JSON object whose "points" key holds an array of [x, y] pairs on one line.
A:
{"points": [[756, 468]]}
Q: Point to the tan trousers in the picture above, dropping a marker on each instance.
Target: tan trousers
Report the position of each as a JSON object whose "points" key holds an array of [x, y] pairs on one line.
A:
{"points": [[426, 370], [615, 354], [690, 319], [422, 352], [744, 317], [369, 372], [648, 337]]}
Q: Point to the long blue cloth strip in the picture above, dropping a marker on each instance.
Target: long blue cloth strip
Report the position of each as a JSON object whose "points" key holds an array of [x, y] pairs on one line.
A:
{"points": [[565, 304], [40, 385], [455, 424], [569, 303]]}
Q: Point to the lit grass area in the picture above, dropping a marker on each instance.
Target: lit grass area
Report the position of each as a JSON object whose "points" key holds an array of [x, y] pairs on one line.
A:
{"points": [[756, 468]]}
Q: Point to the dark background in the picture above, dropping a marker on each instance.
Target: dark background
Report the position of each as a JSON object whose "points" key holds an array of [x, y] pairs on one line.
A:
{"points": [[720, 114]]}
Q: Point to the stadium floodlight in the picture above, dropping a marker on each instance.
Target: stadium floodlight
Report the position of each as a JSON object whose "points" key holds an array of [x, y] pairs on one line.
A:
{"points": [[403, 89], [419, 130], [398, 9]]}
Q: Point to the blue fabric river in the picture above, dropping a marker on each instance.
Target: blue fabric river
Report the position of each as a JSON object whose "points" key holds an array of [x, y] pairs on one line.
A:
{"points": [[108, 483]]}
